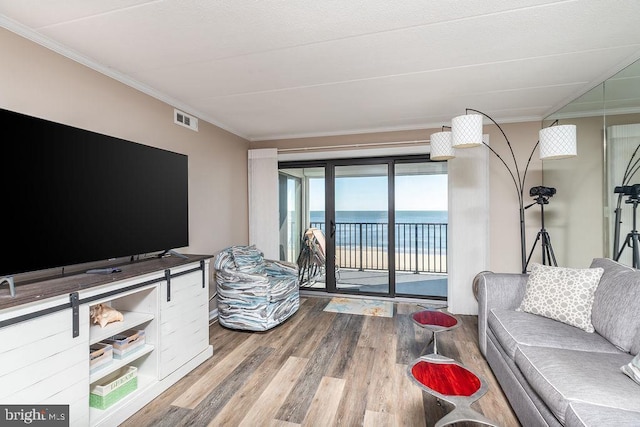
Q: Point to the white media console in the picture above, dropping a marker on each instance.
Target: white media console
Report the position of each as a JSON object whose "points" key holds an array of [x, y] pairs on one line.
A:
{"points": [[45, 334]]}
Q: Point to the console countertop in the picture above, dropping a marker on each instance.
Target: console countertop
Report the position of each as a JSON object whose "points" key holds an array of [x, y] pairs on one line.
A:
{"points": [[41, 289]]}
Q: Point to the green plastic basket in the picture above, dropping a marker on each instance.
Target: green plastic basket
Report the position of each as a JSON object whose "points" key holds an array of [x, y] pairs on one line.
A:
{"points": [[103, 396]]}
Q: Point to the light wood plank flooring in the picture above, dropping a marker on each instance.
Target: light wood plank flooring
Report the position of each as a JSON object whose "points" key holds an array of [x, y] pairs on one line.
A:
{"points": [[321, 369]]}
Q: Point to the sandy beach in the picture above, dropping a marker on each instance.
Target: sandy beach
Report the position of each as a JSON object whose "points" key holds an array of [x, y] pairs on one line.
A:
{"points": [[378, 260]]}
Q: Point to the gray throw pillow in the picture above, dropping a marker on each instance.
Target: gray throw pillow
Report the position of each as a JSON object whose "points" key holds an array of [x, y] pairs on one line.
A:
{"points": [[616, 305], [562, 294]]}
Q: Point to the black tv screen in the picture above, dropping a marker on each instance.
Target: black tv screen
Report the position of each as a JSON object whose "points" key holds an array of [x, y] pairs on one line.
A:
{"points": [[72, 196]]}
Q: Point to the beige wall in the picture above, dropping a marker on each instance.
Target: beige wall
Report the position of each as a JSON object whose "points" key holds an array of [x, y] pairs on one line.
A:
{"points": [[41, 83], [504, 220], [330, 141], [505, 216], [574, 217]]}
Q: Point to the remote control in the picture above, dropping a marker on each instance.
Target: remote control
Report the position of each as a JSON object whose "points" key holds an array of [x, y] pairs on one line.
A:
{"points": [[108, 270]]}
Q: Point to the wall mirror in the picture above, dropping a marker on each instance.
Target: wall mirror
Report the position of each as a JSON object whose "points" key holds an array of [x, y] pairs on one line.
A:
{"points": [[596, 217]]}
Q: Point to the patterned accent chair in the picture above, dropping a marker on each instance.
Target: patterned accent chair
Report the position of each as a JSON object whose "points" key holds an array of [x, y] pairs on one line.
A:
{"points": [[254, 293]]}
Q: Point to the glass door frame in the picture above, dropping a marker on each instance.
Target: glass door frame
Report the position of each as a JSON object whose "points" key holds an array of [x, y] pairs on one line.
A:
{"points": [[330, 214], [329, 166]]}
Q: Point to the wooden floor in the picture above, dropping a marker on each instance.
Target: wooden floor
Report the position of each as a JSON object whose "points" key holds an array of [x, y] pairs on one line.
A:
{"points": [[321, 369]]}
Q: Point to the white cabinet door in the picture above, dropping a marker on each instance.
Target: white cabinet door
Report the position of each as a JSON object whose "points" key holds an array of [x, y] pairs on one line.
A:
{"points": [[42, 363], [184, 318]]}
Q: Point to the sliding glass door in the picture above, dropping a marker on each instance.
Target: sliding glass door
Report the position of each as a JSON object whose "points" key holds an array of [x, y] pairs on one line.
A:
{"points": [[291, 214], [421, 229], [360, 227], [376, 226], [302, 207]]}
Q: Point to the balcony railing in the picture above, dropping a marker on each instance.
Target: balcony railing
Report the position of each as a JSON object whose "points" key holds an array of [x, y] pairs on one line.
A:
{"points": [[419, 247]]}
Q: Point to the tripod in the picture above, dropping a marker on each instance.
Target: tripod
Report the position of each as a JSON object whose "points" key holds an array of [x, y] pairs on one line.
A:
{"points": [[631, 240], [548, 257]]}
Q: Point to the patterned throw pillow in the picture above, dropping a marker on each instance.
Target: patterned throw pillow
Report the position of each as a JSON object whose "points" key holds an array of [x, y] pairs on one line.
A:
{"points": [[562, 294], [633, 369]]}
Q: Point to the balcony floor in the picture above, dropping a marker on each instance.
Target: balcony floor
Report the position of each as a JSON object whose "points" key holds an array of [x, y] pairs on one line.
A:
{"points": [[421, 284]]}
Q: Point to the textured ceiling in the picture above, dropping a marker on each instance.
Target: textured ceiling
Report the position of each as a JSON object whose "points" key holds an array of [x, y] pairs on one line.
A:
{"points": [[266, 69]]}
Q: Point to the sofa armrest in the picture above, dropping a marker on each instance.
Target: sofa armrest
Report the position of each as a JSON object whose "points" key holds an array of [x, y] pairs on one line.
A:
{"points": [[497, 290]]}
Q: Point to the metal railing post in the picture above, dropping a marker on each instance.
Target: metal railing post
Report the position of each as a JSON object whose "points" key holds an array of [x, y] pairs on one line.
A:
{"points": [[416, 247], [361, 265]]}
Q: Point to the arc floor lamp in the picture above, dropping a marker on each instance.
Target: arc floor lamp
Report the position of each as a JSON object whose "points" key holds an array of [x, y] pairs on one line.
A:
{"points": [[555, 142]]}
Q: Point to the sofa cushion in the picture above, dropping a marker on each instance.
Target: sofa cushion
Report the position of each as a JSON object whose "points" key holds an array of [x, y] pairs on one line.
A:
{"points": [[513, 328], [561, 376], [616, 306], [586, 414], [563, 294]]}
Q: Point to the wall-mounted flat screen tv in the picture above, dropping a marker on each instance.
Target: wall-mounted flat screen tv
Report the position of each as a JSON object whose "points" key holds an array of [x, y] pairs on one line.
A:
{"points": [[72, 196]]}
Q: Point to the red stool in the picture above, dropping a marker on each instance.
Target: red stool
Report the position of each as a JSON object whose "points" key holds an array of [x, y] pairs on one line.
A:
{"points": [[435, 321], [449, 380]]}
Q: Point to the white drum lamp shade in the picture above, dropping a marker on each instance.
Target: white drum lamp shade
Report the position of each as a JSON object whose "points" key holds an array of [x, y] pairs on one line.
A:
{"points": [[466, 131], [558, 142], [441, 148]]}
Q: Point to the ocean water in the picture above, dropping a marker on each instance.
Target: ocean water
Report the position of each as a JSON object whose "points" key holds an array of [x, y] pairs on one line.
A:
{"points": [[380, 217], [415, 231]]}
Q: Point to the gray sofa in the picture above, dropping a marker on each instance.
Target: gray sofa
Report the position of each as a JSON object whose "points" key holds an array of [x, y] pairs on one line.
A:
{"points": [[555, 374]]}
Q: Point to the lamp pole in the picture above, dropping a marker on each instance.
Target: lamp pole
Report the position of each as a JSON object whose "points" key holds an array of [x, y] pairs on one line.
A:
{"points": [[555, 142], [629, 172], [518, 182]]}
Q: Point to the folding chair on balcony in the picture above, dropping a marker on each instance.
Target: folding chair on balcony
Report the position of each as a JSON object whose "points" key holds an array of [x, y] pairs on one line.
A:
{"points": [[312, 259]]}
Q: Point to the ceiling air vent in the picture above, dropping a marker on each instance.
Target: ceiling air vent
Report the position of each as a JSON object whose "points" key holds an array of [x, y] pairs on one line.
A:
{"points": [[184, 119]]}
